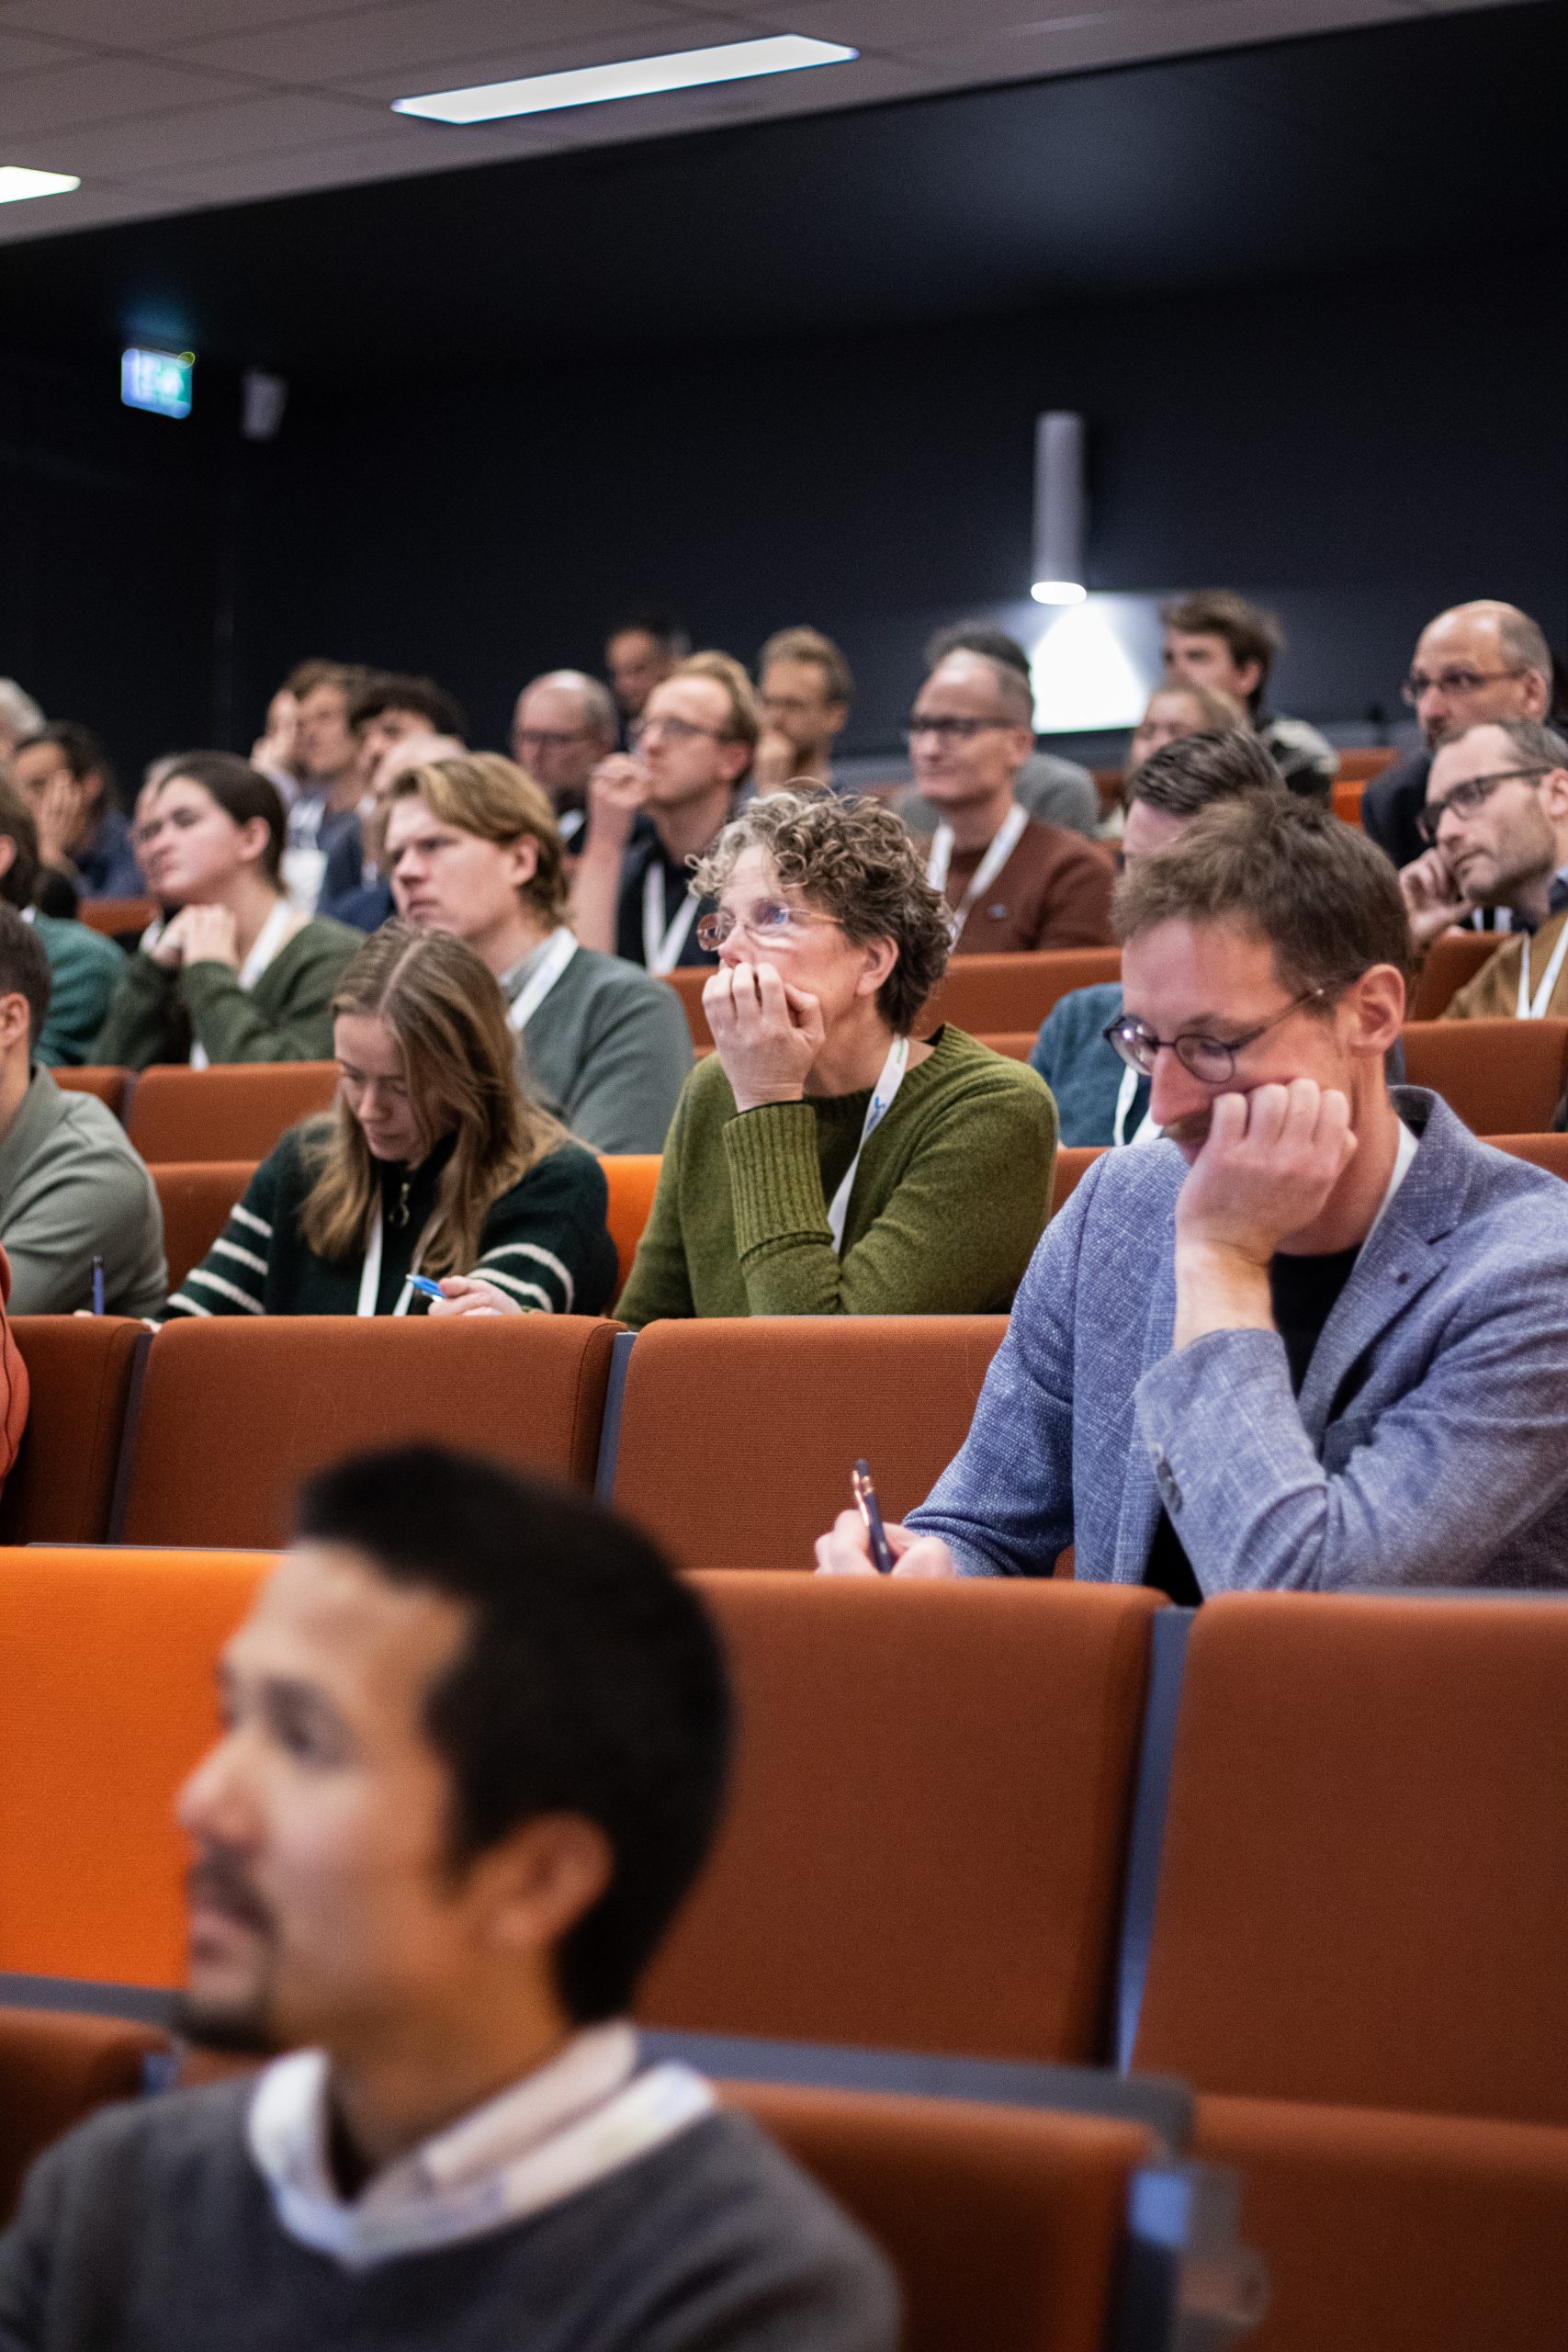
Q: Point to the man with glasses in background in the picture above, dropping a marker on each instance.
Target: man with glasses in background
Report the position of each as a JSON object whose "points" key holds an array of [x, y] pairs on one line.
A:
{"points": [[1310, 1340], [1010, 882], [654, 809], [1481, 661], [565, 723], [1496, 818]]}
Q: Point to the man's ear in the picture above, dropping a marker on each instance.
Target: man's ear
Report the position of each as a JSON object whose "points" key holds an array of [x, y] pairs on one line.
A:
{"points": [[15, 1019], [1378, 1001], [1250, 677], [539, 1882], [1553, 798]]}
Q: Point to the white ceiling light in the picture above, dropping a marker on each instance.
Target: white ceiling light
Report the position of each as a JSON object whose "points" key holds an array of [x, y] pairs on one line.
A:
{"points": [[633, 77], [16, 184], [1058, 508]]}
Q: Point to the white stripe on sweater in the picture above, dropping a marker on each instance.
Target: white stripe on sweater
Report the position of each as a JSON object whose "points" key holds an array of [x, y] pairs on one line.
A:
{"points": [[226, 1290], [483, 1273], [545, 1258], [242, 1216], [245, 1257], [191, 1306]]}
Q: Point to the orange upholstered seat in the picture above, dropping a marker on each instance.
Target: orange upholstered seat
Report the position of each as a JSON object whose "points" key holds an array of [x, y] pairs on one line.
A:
{"points": [[925, 1840], [195, 1196], [107, 1662], [54, 2071], [698, 1469], [236, 1411], [1004, 2228], [237, 1111], [633, 1178], [1502, 1077], [1454, 958], [84, 1371], [987, 994], [1363, 1894], [1549, 1152], [104, 1081], [115, 917], [1073, 1162]]}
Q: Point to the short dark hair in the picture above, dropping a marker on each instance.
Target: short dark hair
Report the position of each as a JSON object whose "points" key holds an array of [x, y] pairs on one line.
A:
{"points": [[20, 878], [241, 791], [1250, 633], [809, 645], [306, 676], [24, 968], [974, 637], [1327, 902], [1221, 763], [388, 690], [592, 1682], [84, 754], [1542, 746], [672, 637]]}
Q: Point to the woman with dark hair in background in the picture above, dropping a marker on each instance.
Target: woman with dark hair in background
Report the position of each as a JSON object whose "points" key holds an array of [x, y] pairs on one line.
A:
{"points": [[237, 976]]}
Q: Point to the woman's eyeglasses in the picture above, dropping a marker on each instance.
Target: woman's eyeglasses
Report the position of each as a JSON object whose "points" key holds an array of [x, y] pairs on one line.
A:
{"points": [[768, 924]]}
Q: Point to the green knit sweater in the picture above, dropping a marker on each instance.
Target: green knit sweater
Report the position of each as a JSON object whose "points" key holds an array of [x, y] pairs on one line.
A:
{"points": [[950, 1197], [156, 1016]]}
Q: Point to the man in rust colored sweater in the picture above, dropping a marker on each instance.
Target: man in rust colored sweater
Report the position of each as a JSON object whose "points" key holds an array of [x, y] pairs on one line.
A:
{"points": [[1012, 883]]}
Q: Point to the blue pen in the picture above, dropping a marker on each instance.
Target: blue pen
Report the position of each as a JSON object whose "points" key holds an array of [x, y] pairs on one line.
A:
{"points": [[426, 1288], [97, 1285], [871, 1519]]}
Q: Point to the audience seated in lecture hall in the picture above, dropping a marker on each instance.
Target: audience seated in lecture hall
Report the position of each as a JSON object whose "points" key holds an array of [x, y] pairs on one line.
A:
{"points": [[641, 651], [1101, 1099], [84, 966], [1496, 822], [1056, 791], [237, 975], [1217, 638], [386, 718], [323, 804], [1481, 660], [564, 724], [71, 1187], [1312, 1340], [1010, 881], [1173, 710], [821, 1161], [63, 774], [655, 808], [475, 1748], [434, 1167], [472, 848], [19, 717], [805, 690]]}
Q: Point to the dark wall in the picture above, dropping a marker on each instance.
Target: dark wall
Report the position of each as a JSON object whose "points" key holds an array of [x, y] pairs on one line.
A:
{"points": [[1358, 451]]}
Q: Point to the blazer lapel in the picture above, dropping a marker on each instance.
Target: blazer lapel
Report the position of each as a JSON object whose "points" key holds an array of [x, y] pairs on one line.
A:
{"points": [[1140, 1508]]}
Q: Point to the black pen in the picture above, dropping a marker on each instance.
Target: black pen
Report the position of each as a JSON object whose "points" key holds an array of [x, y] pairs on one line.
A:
{"points": [[871, 1515]]}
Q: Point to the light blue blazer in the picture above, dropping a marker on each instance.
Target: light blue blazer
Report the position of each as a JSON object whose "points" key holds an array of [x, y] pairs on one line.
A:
{"points": [[1429, 1443]]}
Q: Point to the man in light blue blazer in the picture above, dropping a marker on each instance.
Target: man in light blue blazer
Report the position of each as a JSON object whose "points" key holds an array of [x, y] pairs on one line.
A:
{"points": [[1316, 1339]]}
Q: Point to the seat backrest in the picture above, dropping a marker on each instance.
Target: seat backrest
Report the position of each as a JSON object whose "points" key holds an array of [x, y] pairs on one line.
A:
{"points": [[103, 1079], [1346, 798], [195, 1196], [1004, 2228], [1073, 1161], [632, 1178], [987, 994], [899, 1390], [236, 1111], [1502, 1078], [1454, 958], [83, 1372], [55, 2071], [1360, 766], [115, 917], [688, 986], [107, 1660], [924, 1843], [1361, 1894], [1549, 1152], [236, 1412], [1016, 1044]]}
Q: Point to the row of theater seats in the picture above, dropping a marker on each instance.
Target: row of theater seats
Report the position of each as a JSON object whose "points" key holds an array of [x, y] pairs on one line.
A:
{"points": [[1303, 1854]]}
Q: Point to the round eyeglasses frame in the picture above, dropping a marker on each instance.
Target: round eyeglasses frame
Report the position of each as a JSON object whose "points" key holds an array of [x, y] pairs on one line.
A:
{"points": [[1211, 1060]]}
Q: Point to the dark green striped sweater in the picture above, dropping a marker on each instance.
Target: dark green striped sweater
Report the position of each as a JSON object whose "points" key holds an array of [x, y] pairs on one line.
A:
{"points": [[545, 1243]]}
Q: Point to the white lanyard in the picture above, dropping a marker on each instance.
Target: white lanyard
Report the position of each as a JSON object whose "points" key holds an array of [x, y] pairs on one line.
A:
{"points": [[660, 945], [271, 940], [552, 962], [1536, 1009], [876, 1110], [1147, 1132], [370, 1276], [1002, 845]]}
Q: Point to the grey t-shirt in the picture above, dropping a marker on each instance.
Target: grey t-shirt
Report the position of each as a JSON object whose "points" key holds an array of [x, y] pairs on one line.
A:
{"points": [[150, 2229], [74, 1188], [607, 1050]]}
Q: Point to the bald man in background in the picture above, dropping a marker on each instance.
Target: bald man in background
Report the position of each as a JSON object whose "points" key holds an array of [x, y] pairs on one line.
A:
{"points": [[1475, 662], [565, 723]]}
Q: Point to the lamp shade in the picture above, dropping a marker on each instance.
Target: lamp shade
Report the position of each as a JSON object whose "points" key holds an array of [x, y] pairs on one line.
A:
{"points": [[1059, 577]]}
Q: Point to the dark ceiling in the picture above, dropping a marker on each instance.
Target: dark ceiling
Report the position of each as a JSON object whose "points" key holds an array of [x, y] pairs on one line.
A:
{"points": [[1430, 139]]}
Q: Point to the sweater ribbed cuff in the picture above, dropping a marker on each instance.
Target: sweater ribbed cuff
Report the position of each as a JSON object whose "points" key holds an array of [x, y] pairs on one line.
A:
{"points": [[775, 1180]]}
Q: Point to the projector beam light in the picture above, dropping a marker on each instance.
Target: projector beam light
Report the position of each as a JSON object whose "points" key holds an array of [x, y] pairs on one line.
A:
{"points": [[633, 77], [1058, 591], [16, 184]]}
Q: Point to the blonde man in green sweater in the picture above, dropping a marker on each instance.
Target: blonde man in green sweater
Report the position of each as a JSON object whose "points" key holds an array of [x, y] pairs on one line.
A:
{"points": [[821, 1161]]}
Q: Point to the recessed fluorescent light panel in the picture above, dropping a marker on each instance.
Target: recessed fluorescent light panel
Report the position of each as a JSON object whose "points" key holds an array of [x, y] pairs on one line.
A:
{"points": [[18, 184], [633, 78]]}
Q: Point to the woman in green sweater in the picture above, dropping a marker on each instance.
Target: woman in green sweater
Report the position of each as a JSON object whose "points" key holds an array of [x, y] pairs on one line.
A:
{"points": [[237, 976], [821, 1161], [434, 1169]]}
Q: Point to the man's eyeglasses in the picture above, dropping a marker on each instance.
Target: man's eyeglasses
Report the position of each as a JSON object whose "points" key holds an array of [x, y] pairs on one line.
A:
{"points": [[544, 738], [1454, 681], [1211, 1060], [768, 924], [678, 730], [952, 730], [1467, 798]]}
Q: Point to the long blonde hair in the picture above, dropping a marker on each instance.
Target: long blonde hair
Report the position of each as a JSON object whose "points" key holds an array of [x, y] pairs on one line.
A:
{"points": [[447, 1013]]}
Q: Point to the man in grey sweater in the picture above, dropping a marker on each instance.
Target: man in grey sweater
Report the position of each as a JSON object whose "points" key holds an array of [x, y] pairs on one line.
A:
{"points": [[474, 1751], [71, 1186], [473, 848]]}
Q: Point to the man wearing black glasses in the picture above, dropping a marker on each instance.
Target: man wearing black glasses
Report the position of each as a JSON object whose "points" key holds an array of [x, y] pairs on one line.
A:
{"points": [[1310, 1340], [1497, 815], [1481, 661]]}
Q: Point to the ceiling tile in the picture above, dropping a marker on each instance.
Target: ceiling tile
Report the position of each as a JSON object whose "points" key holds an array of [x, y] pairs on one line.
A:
{"points": [[244, 127], [26, 53], [388, 39], [457, 69], [157, 24], [1123, 35], [101, 89]]}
